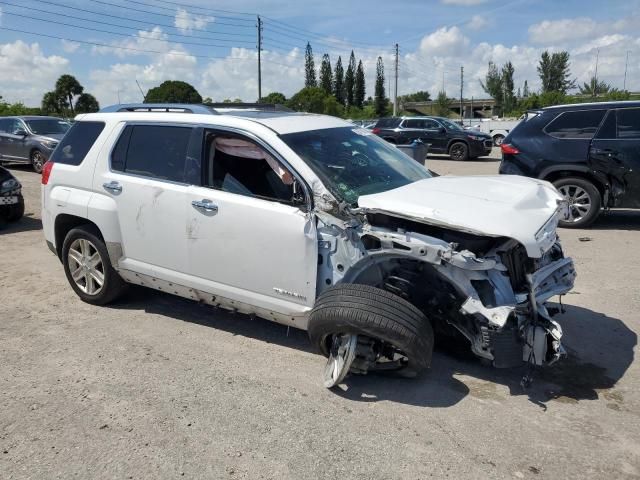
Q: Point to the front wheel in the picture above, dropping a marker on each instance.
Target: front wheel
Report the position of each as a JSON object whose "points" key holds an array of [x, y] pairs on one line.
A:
{"points": [[363, 328], [37, 161], [584, 201], [459, 152]]}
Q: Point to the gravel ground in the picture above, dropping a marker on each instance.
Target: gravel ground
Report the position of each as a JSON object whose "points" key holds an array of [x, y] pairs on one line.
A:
{"points": [[159, 387]]}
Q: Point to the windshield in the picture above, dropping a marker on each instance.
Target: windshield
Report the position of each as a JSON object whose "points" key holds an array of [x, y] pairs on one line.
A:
{"points": [[450, 125], [48, 126], [353, 161]]}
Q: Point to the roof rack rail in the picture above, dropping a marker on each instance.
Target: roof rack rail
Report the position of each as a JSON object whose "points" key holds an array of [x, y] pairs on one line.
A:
{"points": [[160, 107], [266, 107]]}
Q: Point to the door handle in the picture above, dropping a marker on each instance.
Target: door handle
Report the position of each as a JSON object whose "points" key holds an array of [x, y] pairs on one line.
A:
{"points": [[113, 186], [205, 204]]}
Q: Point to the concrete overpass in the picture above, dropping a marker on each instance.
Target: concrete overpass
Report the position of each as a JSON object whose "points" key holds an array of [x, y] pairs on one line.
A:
{"points": [[472, 108]]}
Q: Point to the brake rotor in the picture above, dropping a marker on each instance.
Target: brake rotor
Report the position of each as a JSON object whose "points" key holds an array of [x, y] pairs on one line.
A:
{"points": [[341, 356]]}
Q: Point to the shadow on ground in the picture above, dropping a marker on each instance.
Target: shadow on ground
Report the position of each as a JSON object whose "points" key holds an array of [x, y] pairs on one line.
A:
{"points": [[618, 220], [600, 352], [25, 224]]}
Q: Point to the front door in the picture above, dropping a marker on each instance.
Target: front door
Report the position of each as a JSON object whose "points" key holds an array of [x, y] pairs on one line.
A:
{"points": [[436, 135], [615, 151], [248, 239]]}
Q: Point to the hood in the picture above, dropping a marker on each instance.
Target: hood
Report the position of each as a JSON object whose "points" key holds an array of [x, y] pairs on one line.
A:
{"points": [[498, 206], [56, 137]]}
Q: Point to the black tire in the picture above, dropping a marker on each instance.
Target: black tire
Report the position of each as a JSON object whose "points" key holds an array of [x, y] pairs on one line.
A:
{"points": [[15, 212], [37, 161], [377, 314], [569, 186], [113, 285], [498, 139], [459, 151]]}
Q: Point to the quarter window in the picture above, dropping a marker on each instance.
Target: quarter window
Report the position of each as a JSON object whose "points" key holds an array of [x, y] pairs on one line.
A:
{"points": [[628, 123], [581, 124], [77, 142], [157, 151]]}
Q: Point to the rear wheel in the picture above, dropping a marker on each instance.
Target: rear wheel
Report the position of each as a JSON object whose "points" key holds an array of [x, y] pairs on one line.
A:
{"points": [[459, 152], [88, 268], [363, 329], [584, 201], [498, 139], [37, 161]]}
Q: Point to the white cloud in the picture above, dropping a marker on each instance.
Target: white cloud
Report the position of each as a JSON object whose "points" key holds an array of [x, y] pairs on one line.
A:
{"points": [[27, 73], [478, 22], [70, 47], [463, 2], [187, 22], [550, 32], [444, 42]]}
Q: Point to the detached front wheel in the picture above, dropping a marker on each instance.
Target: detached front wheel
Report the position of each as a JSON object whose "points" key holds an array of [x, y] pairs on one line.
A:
{"points": [[363, 329]]}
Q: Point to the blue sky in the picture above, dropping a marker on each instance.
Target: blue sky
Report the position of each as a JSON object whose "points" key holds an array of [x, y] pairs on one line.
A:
{"points": [[211, 44]]}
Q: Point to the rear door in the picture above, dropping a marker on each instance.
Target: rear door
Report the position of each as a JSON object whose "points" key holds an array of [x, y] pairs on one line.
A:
{"points": [[12, 143], [615, 152]]}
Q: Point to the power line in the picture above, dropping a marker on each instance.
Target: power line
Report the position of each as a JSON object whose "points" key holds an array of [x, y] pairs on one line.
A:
{"points": [[185, 7], [124, 34]]}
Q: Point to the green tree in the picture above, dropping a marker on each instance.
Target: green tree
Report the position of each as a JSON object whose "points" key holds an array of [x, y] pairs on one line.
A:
{"points": [[230, 100], [508, 97], [442, 104], [360, 87], [350, 81], [67, 87], [338, 82], [380, 100], [53, 103], [309, 68], [326, 75], [525, 90], [207, 101], [87, 103], [554, 72], [493, 84], [332, 107], [419, 96], [173, 91], [595, 87], [309, 99], [276, 98]]}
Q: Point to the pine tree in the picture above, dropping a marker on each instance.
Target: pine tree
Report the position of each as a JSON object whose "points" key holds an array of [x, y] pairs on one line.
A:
{"points": [[493, 84], [338, 82], [554, 72], [309, 68], [525, 90], [349, 81], [326, 75], [380, 101], [508, 97], [360, 89]]}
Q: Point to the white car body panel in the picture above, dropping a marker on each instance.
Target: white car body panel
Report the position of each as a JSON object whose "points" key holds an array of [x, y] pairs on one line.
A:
{"points": [[500, 206]]}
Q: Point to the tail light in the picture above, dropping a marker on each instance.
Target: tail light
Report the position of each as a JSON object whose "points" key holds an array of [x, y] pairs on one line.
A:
{"points": [[509, 149], [46, 171], [375, 131]]}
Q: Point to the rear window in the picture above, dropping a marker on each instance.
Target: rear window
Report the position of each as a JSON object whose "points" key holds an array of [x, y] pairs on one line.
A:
{"points": [[157, 151], [388, 123], [581, 124], [75, 145]]}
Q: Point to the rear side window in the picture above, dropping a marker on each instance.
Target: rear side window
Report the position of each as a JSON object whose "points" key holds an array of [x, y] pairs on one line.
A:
{"points": [[388, 123], [628, 123], [414, 123], [582, 124], [77, 142], [157, 151]]}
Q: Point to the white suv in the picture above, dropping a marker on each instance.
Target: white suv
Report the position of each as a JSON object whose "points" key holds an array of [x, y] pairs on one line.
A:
{"points": [[311, 222]]}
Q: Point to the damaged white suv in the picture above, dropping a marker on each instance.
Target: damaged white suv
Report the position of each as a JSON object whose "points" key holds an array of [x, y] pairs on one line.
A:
{"points": [[311, 222]]}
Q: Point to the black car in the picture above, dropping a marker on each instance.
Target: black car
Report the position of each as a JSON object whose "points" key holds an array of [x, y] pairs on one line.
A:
{"points": [[443, 136], [11, 199], [30, 139], [590, 152]]}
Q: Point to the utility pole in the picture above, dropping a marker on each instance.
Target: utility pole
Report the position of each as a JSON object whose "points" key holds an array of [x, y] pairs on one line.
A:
{"points": [[461, 86], [626, 62], [395, 93], [259, 58]]}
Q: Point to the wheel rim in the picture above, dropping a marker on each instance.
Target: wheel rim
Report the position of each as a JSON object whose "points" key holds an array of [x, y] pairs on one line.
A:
{"points": [[498, 140], [86, 266], [341, 356], [37, 161], [579, 202], [457, 152]]}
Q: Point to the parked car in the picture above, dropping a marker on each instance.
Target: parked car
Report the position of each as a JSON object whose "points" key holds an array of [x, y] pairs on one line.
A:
{"points": [[30, 139], [443, 136], [11, 199], [311, 222], [590, 152]]}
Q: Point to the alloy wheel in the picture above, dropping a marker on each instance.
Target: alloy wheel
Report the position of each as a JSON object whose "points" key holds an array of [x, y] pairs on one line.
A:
{"points": [[579, 202], [86, 266], [38, 161]]}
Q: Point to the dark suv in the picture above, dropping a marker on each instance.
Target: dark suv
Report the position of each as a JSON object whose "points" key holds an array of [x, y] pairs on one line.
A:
{"points": [[30, 139], [443, 136], [590, 152]]}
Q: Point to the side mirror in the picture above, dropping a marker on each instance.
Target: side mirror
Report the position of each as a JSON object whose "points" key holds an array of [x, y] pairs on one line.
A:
{"points": [[20, 132], [298, 194]]}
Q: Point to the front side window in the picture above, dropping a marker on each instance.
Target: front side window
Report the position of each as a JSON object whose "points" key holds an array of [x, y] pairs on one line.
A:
{"points": [[157, 151], [581, 124], [628, 123], [47, 126], [353, 162], [75, 145], [238, 165], [450, 125], [431, 124]]}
